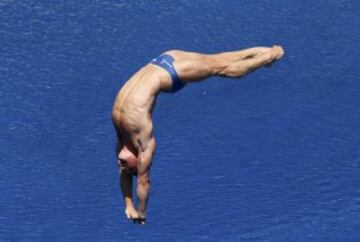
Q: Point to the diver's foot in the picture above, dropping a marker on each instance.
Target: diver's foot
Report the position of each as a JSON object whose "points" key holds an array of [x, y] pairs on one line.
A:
{"points": [[277, 52]]}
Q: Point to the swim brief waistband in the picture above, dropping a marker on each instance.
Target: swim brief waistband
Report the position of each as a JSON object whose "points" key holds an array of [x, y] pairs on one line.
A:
{"points": [[166, 61]]}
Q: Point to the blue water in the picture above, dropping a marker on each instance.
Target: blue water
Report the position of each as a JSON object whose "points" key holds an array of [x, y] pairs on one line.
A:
{"points": [[272, 157]]}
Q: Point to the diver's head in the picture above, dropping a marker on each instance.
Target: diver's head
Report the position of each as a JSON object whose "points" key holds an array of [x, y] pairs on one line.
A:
{"points": [[127, 160], [128, 165]]}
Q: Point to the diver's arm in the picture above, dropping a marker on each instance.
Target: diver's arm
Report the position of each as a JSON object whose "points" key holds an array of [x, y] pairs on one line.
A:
{"points": [[126, 188], [143, 182], [143, 192]]}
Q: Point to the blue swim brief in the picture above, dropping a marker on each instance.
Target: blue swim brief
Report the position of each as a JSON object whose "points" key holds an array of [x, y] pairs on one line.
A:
{"points": [[166, 61]]}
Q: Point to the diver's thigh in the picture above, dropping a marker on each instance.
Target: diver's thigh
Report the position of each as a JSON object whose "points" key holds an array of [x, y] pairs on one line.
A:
{"points": [[191, 66]]}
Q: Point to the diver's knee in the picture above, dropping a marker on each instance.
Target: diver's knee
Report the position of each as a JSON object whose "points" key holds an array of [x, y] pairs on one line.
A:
{"points": [[219, 66]]}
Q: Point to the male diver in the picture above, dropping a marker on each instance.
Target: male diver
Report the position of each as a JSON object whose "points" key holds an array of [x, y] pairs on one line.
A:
{"points": [[132, 110]]}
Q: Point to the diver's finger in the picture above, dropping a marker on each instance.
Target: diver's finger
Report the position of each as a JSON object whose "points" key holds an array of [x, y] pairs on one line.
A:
{"points": [[139, 220]]}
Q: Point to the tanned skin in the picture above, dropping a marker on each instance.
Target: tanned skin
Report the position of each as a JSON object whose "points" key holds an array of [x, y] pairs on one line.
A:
{"points": [[134, 104]]}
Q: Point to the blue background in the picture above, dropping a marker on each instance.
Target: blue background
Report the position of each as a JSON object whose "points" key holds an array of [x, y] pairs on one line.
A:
{"points": [[271, 157]]}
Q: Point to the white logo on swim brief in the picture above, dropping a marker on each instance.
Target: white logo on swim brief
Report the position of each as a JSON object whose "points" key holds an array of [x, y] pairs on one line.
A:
{"points": [[167, 63]]}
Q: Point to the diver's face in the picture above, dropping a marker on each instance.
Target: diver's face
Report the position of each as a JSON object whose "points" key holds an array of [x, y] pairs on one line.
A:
{"points": [[128, 160], [125, 166]]}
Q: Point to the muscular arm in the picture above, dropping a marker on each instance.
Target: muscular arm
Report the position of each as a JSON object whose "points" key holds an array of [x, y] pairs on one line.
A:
{"points": [[126, 188], [143, 191], [143, 183]]}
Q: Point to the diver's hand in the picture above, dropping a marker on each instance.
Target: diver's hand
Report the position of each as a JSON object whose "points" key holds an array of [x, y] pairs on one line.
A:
{"points": [[131, 213], [139, 220]]}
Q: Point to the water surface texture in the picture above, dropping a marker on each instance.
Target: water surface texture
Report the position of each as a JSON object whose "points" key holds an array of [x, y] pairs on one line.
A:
{"points": [[271, 157]]}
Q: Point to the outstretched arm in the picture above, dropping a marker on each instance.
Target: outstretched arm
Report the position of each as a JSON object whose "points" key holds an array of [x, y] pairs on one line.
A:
{"points": [[126, 188], [143, 182], [126, 182]]}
